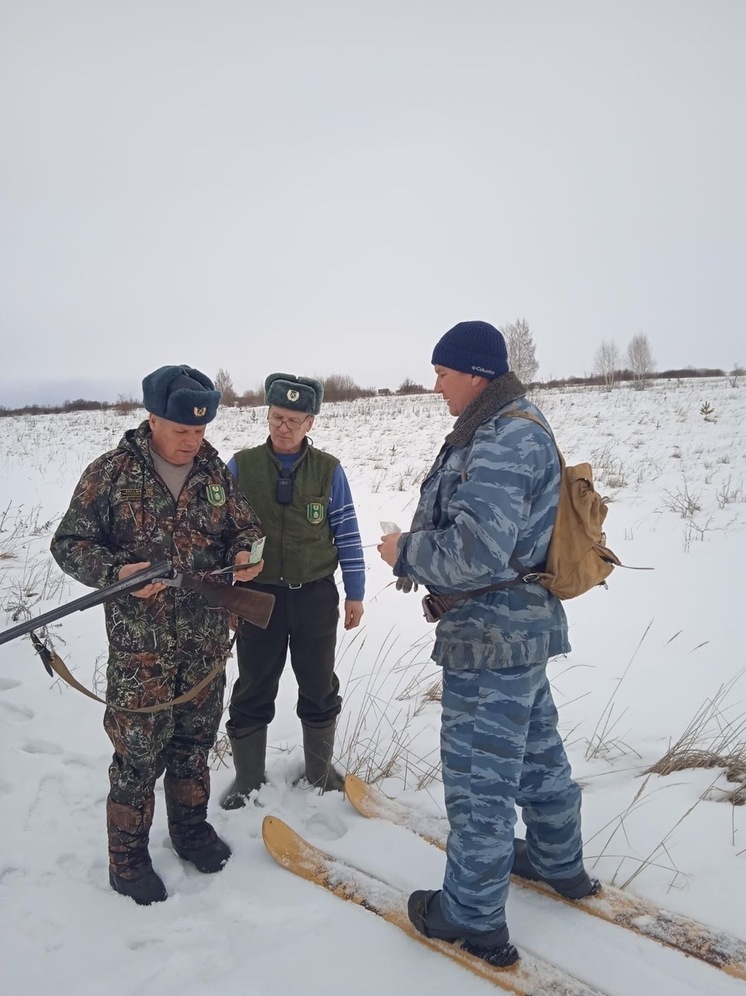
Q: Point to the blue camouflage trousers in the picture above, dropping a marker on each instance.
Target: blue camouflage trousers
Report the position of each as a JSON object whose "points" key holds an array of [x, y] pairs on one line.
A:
{"points": [[500, 747]]}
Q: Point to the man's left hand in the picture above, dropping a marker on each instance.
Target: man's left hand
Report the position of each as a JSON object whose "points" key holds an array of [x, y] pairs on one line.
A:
{"points": [[353, 614], [243, 570]]}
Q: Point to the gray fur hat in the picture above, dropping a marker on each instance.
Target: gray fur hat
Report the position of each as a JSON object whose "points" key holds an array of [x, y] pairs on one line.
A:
{"points": [[302, 394], [180, 394]]}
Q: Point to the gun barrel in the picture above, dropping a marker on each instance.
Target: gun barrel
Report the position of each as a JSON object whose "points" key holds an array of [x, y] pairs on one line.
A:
{"points": [[131, 583]]}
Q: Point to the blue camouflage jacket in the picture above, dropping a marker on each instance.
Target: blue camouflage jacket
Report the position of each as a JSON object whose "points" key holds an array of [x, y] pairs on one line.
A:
{"points": [[482, 503]]}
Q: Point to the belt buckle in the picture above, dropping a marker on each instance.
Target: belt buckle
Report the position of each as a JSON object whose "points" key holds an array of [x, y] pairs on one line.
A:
{"points": [[294, 587]]}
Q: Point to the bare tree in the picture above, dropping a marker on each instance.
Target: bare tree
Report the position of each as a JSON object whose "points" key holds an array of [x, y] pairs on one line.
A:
{"points": [[606, 363], [339, 387], [640, 360], [224, 384], [253, 397], [736, 375], [521, 350], [409, 386]]}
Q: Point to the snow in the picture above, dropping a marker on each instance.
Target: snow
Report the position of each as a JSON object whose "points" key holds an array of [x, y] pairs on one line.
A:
{"points": [[648, 654]]}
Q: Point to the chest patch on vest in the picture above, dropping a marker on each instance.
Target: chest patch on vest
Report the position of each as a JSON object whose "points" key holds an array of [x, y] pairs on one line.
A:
{"points": [[315, 511], [216, 494], [133, 494]]}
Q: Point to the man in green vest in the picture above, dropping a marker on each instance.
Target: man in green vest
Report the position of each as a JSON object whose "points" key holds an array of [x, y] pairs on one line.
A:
{"points": [[303, 499]]}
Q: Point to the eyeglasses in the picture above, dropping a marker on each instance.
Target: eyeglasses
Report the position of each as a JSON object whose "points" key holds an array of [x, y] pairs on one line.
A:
{"points": [[292, 423]]}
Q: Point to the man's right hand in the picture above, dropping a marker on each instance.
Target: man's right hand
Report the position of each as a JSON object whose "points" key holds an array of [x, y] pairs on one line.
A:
{"points": [[148, 590]]}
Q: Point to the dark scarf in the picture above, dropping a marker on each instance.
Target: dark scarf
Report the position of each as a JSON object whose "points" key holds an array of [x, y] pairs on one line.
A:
{"points": [[498, 393]]}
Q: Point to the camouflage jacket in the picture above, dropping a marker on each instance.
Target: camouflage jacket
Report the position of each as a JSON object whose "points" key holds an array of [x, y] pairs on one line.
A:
{"points": [[483, 503], [123, 513]]}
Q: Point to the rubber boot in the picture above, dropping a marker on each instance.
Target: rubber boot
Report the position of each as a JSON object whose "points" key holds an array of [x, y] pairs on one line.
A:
{"points": [[130, 869], [318, 746], [193, 838], [577, 887], [249, 757]]}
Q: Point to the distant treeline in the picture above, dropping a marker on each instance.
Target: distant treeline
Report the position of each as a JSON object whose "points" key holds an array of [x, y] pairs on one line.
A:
{"points": [[342, 388], [79, 405], [600, 380]]}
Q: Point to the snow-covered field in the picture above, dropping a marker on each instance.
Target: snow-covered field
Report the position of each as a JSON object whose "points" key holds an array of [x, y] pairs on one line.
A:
{"points": [[650, 653]]}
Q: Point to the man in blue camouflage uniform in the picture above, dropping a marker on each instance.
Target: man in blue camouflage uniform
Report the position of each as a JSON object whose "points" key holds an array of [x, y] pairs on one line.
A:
{"points": [[483, 522], [162, 494]]}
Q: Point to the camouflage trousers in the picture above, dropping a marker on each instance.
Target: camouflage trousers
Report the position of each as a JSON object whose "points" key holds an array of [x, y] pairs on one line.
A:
{"points": [[500, 747], [175, 740]]}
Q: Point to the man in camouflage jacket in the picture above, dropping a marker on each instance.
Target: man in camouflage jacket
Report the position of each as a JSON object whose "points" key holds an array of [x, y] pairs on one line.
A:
{"points": [[162, 494], [484, 521]]}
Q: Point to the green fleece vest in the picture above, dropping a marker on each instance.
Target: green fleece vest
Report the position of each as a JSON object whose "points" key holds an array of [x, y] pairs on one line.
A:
{"points": [[299, 545]]}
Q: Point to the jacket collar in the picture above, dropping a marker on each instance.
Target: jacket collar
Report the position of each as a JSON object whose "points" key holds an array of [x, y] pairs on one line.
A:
{"points": [[498, 393]]}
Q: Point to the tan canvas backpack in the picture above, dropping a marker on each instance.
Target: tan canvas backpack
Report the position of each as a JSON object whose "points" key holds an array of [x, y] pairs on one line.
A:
{"points": [[578, 557]]}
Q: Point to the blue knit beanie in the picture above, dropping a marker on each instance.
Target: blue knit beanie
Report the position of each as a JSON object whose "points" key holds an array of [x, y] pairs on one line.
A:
{"points": [[473, 347], [180, 394]]}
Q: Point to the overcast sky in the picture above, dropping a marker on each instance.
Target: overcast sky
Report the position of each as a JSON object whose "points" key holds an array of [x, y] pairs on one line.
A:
{"points": [[327, 187]]}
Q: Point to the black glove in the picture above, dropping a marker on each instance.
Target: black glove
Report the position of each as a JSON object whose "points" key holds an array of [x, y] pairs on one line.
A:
{"points": [[406, 585]]}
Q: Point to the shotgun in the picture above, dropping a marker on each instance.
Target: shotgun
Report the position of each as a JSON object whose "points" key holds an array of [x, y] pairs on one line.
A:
{"points": [[253, 606], [247, 603]]}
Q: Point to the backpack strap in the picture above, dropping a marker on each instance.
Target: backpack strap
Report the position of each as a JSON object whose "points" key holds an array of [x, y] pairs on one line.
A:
{"points": [[533, 418], [436, 606]]}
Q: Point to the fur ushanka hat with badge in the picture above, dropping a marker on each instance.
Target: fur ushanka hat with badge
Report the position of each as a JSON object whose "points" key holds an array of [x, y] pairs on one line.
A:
{"points": [[180, 394], [301, 394]]}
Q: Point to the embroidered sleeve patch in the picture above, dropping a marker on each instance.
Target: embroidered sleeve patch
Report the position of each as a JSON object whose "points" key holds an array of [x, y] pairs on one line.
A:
{"points": [[216, 494]]}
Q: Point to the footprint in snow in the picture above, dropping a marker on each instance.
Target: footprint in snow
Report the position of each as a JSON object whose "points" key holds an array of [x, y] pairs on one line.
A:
{"points": [[16, 712], [326, 825], [40, 747]]}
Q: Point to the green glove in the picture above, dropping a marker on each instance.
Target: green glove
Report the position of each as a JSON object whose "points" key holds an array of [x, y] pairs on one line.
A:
{"points": [[406, 585]]}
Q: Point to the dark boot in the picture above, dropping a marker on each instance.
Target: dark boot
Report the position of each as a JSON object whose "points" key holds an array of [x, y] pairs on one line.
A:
{"points": [[426, 914], [249, 755], [192, 836], [130, 870], [318, 746], [577, 887]]}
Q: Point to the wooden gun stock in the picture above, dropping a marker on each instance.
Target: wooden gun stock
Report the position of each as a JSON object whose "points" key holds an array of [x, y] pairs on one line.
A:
{"points": [[252, 606]]}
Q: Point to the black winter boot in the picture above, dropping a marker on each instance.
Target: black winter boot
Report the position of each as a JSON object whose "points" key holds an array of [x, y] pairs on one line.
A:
{"points": [[193, 838], [249, 756], [577, 887], [426, 915], [130, 870], [318, 746]]}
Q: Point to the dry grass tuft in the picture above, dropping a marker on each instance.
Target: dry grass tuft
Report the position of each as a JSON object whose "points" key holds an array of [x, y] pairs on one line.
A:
{"points": [[712, 740]]}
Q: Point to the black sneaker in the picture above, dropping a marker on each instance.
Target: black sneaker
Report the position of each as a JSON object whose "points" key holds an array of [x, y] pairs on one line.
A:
{"points": [[498, 957], [144, 890], [208, 859]]}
